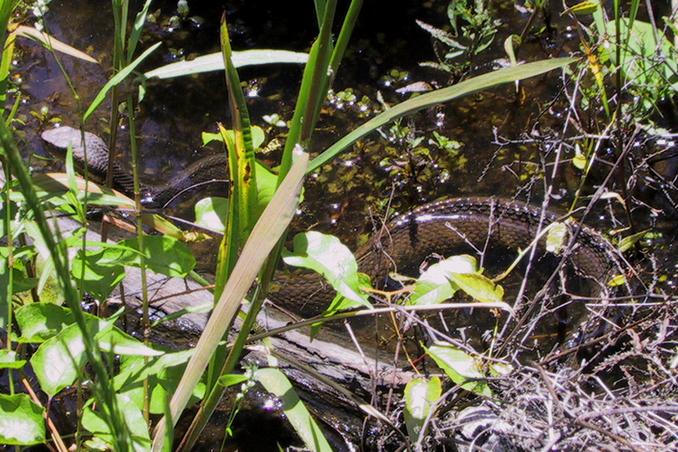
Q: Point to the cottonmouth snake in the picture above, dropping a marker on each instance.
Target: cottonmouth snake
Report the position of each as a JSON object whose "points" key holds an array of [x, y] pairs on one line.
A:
{"points": [[441, 227]]}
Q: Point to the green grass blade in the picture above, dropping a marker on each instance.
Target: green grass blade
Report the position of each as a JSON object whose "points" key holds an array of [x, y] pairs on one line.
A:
{"points": [[215, 62], [137, 28], [275, 382], [474, 84], [116, 80], [265, 234], [313, 88]]}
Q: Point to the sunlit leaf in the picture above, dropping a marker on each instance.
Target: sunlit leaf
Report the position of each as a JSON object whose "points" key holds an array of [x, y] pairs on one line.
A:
{"points": [[164, 255], [211, 213], [326, 255], [93, 422], [433, 286], [478, 286], [21, 421], [460, 367], [617, 280], [275, 382], [57, 361], [41, 321], [420, 395], [232, 379], [214, 62], [119, 343], [98, 280], [51, 42], [579, 159]]}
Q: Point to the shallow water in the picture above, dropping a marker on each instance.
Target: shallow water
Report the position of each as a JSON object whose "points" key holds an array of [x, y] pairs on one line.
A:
{"points": [[348, 197]]}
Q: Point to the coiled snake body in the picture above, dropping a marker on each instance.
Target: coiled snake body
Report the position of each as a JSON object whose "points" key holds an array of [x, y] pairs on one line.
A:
{"points": [[440, 227]]}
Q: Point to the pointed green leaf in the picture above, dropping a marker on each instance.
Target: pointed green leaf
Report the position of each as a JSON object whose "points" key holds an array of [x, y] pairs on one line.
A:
{"points": [[460, 367], [433, 286], [478, 286], [326, 255], [214, 62]]}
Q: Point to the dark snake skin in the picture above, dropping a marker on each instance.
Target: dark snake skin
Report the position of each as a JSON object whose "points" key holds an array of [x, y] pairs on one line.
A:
{"points": [[441, 227]]}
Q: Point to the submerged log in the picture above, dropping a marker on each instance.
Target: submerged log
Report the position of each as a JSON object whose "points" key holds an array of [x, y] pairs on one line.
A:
{"points": [[310, 363]]}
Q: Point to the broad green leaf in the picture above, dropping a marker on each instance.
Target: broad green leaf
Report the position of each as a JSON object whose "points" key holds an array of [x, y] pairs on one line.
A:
{"points": [[117, 79], [134, 419], [115, 341], [164, 255], [556, 237], [135, 369], [267, 183], [275, 382], [8, 360], [98, 280], [478, 286], [214, 62], [57, 361], [460, 367], [163, 374], [211, 213], [420, 395], [41, 321], [21, 421], [326, 255], [433, 286], [481, 82]]}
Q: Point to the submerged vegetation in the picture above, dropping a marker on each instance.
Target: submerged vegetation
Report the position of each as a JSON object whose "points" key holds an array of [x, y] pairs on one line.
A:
{"points": [[507, 322]]}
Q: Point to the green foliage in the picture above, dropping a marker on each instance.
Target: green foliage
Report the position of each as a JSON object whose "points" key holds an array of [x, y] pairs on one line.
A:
{"points": [[443, 279], [472, 31], [95, 423], [275, 382], [21, 421], [462, 368], [420, 396], [8, 360], [326, 255]]}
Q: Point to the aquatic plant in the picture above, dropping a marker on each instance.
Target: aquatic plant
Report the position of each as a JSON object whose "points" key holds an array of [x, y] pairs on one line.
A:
{"points": [[125, 380]]}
